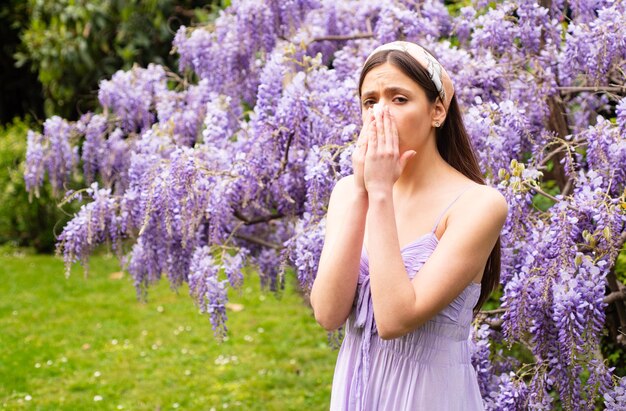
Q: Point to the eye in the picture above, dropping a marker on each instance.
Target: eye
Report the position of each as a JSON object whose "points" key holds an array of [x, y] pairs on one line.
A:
{"points": [[400, 99], [369, 102]]}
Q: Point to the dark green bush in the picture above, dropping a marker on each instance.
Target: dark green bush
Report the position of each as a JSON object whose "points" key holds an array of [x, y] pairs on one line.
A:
{"points": [[73, 44], [22, 222]]}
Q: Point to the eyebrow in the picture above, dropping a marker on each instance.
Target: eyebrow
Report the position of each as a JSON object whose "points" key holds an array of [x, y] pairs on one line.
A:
{"points": [[387, 90]]}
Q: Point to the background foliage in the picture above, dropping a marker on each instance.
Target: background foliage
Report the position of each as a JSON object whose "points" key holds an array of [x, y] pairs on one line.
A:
{"points": [[54, 54], [22, 222], [70, 45], [228, 163]]}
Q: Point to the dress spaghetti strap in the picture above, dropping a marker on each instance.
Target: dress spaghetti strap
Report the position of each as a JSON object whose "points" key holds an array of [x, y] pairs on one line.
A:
{"points": [[414, 371], [447, 208]]}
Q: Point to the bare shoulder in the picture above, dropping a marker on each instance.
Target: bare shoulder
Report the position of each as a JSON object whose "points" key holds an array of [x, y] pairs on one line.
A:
{"points": [[344, 186], [342, 191], [483, 202], [344, 182], [487, 196]]}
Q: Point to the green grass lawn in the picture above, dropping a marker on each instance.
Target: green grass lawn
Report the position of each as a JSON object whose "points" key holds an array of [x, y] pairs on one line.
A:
{"points": [[88, 344]]}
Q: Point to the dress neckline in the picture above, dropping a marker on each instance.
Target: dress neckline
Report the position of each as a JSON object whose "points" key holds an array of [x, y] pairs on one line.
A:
{"points": [[411, 243], [418, 239], [414, 243]]}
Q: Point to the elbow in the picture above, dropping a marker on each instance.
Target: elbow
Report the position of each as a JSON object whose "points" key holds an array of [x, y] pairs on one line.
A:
{"points": [[390, 329], [328, 322], [331, 311], [390, 333], [399, 321]]}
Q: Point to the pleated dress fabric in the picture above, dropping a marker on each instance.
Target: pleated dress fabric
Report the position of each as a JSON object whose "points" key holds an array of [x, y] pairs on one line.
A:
{"points": [[427, 369]]}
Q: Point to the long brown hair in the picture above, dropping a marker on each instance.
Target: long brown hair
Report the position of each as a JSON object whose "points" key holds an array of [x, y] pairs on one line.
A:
{"points": [[453, 144]]}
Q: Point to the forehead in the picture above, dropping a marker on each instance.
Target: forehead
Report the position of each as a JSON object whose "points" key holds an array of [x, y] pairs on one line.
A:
{"points": [[386, 75]]}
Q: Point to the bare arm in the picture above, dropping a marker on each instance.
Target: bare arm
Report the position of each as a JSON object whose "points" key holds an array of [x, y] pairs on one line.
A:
{"points": [[472, 229], [335, 284], [401, 305], [334, 287]]}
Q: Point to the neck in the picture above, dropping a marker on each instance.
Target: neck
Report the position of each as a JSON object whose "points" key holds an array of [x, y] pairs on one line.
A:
{"points": [[424, 172]]}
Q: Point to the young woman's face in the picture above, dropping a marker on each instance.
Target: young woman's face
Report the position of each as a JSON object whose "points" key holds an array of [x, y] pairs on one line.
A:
{"points": [[407, 101]]}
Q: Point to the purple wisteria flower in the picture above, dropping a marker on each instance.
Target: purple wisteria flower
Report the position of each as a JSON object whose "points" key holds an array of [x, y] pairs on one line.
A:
{"points": [[228, 167], [615, 399], [581, 60], [208, 289], [131, 95]]}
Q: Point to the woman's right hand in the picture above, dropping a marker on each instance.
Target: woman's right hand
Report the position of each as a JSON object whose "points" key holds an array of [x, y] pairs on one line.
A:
{"points": [[358, 155]]}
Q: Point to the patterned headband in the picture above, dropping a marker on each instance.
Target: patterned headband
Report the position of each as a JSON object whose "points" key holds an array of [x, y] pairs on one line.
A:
{"points": [[437, 73]]}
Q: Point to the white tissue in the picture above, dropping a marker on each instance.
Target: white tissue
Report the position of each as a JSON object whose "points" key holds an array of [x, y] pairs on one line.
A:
{"points": [[378, 109]]}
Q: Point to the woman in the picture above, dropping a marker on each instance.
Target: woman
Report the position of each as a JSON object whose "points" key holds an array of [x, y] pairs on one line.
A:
{"points": [[412, 244]]}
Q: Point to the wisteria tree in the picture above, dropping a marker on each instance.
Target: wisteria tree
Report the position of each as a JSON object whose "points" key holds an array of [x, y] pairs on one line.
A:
{"points": [[230, 164]]}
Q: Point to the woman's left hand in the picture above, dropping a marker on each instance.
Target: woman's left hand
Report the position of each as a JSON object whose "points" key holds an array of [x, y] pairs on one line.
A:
{"points": [[383, 162]]}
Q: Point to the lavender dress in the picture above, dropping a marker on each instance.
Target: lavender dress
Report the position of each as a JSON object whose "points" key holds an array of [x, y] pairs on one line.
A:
{"points": [[427, 369]]}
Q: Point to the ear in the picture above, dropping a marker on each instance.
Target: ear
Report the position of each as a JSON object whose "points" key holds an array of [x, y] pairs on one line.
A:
{"points": [[438, 113]]}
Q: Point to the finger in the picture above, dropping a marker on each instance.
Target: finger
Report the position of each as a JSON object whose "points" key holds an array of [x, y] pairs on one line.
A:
{"points": [[388, 131], [362, 138], [406, 156], [380, 132], [372, 136], [362, 144], [395, 138], [369, 117]]}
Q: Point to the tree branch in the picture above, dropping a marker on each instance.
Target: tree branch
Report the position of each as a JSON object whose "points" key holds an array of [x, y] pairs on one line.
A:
{"points": [[557, 122], [615, 296], [257, 220], [494, 323], [595, 89], [285, 159], [492, 312], [559, 149], [540, 191], [343, 37], [259, 241]]}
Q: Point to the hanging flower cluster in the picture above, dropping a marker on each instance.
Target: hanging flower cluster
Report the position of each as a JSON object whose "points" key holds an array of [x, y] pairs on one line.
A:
{"points": [[197, 179]]}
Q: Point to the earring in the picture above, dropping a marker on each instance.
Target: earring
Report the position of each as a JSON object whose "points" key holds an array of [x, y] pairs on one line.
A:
{"points": [[436, 124]]}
